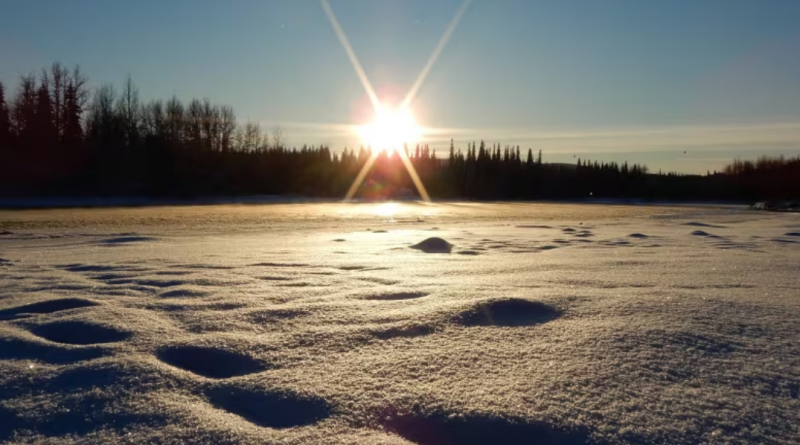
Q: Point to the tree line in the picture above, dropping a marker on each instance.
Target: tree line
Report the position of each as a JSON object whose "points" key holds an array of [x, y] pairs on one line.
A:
{"points": [[58, 137]]}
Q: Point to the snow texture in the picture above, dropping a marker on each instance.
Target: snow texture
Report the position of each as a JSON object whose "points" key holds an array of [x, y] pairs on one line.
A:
{"points": [[320, 323]]}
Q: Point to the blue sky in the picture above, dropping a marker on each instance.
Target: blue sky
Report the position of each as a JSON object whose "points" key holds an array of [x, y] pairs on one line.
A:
{"points": [[639, 80]]}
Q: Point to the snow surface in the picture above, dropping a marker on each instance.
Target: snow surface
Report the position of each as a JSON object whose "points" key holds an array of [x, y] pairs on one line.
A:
{"points": [[319, 323]]}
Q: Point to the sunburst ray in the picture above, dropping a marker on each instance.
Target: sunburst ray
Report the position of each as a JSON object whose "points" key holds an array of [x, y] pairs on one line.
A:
{"points": [[409, 98], [412, 93], [351, 54]]}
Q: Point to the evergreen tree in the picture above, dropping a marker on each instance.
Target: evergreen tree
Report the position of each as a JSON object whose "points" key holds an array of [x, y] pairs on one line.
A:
{"points": [[23, 113], [5, 121], [72, 133], [46, 133]]}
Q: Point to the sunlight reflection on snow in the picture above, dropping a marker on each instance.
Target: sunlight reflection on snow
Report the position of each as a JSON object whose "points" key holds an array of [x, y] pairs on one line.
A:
{"points": [[387, 209]]}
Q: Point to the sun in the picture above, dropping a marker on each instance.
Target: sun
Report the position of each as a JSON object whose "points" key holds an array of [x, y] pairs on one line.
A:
{"points": [[390, 129]]}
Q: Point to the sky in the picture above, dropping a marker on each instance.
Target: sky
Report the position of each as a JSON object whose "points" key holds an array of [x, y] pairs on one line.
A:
{"points": [[680, 85]]}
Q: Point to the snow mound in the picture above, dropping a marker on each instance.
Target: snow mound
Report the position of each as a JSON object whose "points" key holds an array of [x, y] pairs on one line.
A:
{"points": [[127, 240], [79, 333], [409, 331], [689, 341], [456, 429], [276, 315], [269, 409], [433, 245], [183, 293], [210, 362], [93, 268], [701, 224], [47, 307], [508, 312], [468, 252], [397, 296], [16, 349]]}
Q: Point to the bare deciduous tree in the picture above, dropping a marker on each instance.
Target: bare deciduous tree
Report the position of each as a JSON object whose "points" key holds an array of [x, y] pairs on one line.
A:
{"points": [[154, 119], [5, 120], [210, 129], [194, 123], [127, 110], [101, 120], [175, 119], [278, 138], [227, 127], [249, 137]]}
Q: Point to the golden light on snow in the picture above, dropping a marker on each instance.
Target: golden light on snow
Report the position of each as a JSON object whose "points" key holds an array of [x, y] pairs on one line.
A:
{"points": [[391, 129]]}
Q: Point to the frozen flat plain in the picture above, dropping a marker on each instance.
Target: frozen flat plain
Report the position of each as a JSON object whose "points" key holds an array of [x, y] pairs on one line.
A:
{"points": [[428, 324]]}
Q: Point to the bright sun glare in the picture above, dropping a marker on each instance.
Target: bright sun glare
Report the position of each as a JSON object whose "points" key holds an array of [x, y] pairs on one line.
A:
{"points": [[390, 129]]}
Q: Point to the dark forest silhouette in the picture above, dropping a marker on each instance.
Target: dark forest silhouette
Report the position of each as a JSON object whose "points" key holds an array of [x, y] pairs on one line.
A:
{"points": [[59, 138]]}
